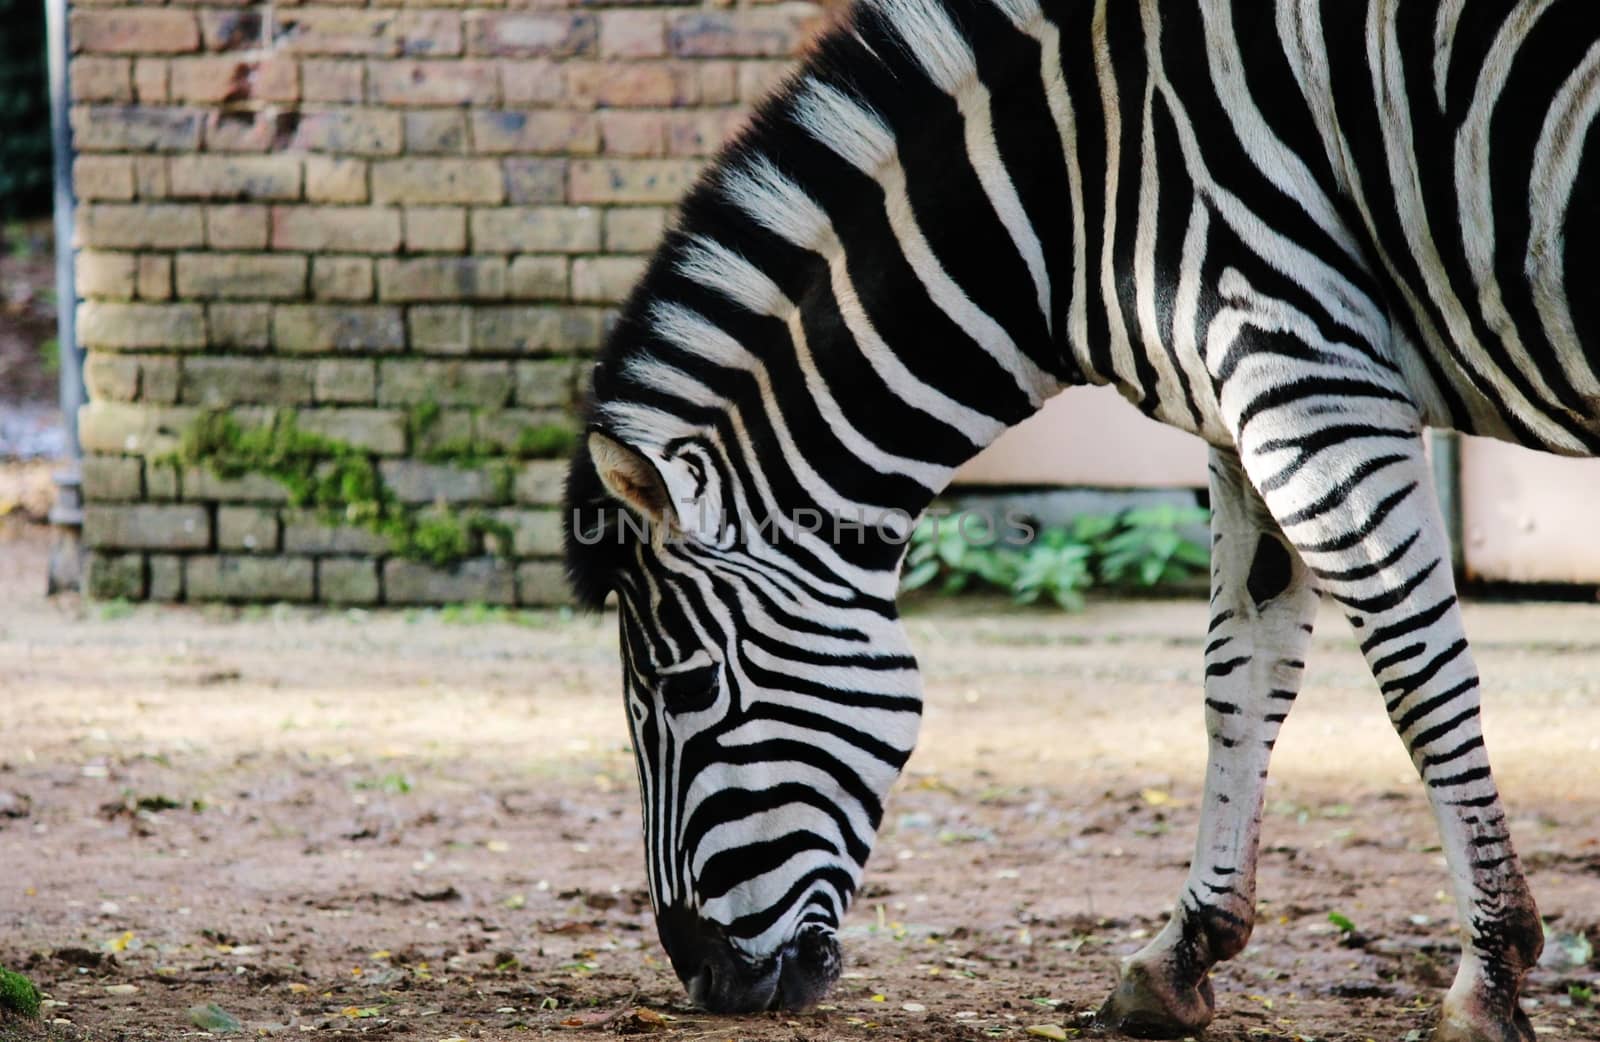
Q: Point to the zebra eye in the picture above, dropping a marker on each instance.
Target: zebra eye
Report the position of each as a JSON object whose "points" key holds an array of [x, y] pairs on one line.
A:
{"points": [[688, 688]]}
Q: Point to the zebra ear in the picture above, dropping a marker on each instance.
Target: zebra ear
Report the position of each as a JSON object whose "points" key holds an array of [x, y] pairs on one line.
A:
{"points": [[630, 477]]}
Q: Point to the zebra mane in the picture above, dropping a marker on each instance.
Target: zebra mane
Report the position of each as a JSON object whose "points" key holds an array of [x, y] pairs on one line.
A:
{"points": [[741, 189]]}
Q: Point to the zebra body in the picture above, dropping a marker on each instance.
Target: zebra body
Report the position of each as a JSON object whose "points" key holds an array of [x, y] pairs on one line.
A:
{"points": [[1302, 229]]}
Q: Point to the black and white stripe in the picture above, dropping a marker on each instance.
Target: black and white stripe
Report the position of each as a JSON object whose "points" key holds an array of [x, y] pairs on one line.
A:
{"points": [[1302, 229]]}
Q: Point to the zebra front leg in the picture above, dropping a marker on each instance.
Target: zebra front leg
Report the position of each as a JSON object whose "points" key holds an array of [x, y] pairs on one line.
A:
{"points": [[1361, 510], [1263, 605]]}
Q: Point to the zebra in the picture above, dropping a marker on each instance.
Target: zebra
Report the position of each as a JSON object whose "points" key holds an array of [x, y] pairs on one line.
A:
{"points": [[1304, 230]]}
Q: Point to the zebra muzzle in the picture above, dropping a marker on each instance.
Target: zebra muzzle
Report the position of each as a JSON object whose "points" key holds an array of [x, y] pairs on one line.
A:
{"points": [[721, 979]]}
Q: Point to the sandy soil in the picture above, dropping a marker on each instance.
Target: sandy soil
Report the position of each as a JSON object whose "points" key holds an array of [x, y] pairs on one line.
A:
{"points": [[423, 826]]}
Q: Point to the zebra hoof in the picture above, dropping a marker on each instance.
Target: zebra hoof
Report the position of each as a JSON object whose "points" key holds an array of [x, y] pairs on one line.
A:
{"points": [[1147, 1003]]}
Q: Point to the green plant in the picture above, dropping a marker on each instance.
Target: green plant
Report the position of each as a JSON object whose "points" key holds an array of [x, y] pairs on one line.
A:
{"points": [[18, 995], [1144, 547], [340, 482]]}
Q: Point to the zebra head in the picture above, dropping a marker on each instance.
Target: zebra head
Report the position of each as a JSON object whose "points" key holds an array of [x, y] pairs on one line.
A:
{"points": [[771, 705]]}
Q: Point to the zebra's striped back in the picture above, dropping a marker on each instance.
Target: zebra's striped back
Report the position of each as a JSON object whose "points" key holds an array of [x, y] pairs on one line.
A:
{"points": [[1289, 226]]}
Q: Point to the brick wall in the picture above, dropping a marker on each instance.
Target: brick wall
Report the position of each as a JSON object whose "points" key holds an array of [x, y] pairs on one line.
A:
{"points": [[353, 212]]}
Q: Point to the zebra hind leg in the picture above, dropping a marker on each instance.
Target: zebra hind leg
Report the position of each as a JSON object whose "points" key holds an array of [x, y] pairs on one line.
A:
{"points": [[1263, 604], [1376, 545]]}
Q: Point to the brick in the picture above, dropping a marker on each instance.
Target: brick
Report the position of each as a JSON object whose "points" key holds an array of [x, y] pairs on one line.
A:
{"points": [[155, 277], [150, 177], [630, 180], [430, 229], [106, 275], [348, 582], [140, 226], [147, 527], [757, 79], [112, 479], [550, 132], [606, 280], [200, 484], [242, 227], [102, 79], [505, 429], [540, 482], [638, 85], [486, 384], [702, 133], [158, 380], [241, 276], [442, 278], [123, 128], [476, 581], [448, 427], [536, 180], [166, 577], [543, 584], [633, 34], [236, 177], [231, 30], [111, 378], [435, 34], [433, 83], [415, 482], [232, 129], [251, 529], [773, 32], [437, 181], [532, 34], [634, 229], [535, 330], [320, 229], [103, 324], [161, 482], [627, 132], [538, 229], [347, 33], [232, 80], [243, 327], [369, 132], [151, 81], [345, 382], [341, 278], [226, 381], [337, 81], [114, 577], [538, 278], [719, 82], [532, 81], [534, 533], [374, 430], [107, 178], [430, 132], [236, 577], [304, 532], [330, 180], [546, 384], [316, 328], [445, 329], [135, 31]]}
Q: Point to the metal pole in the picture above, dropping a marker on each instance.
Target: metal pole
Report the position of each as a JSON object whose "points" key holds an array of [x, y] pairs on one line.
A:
{"points": [[66, 556]]}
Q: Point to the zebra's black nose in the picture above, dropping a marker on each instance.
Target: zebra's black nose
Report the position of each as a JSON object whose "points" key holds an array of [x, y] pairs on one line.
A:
{"points": [[721, 979]]}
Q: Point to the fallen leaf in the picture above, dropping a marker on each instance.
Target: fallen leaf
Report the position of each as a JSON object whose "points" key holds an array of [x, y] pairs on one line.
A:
{"points": [[213, 1018], [119, 943], [1156, 798], [1050, 1031], [122, 989]]}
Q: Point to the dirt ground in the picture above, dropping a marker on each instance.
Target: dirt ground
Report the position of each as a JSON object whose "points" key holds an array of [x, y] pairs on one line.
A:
{"points": [[424, 826]]}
